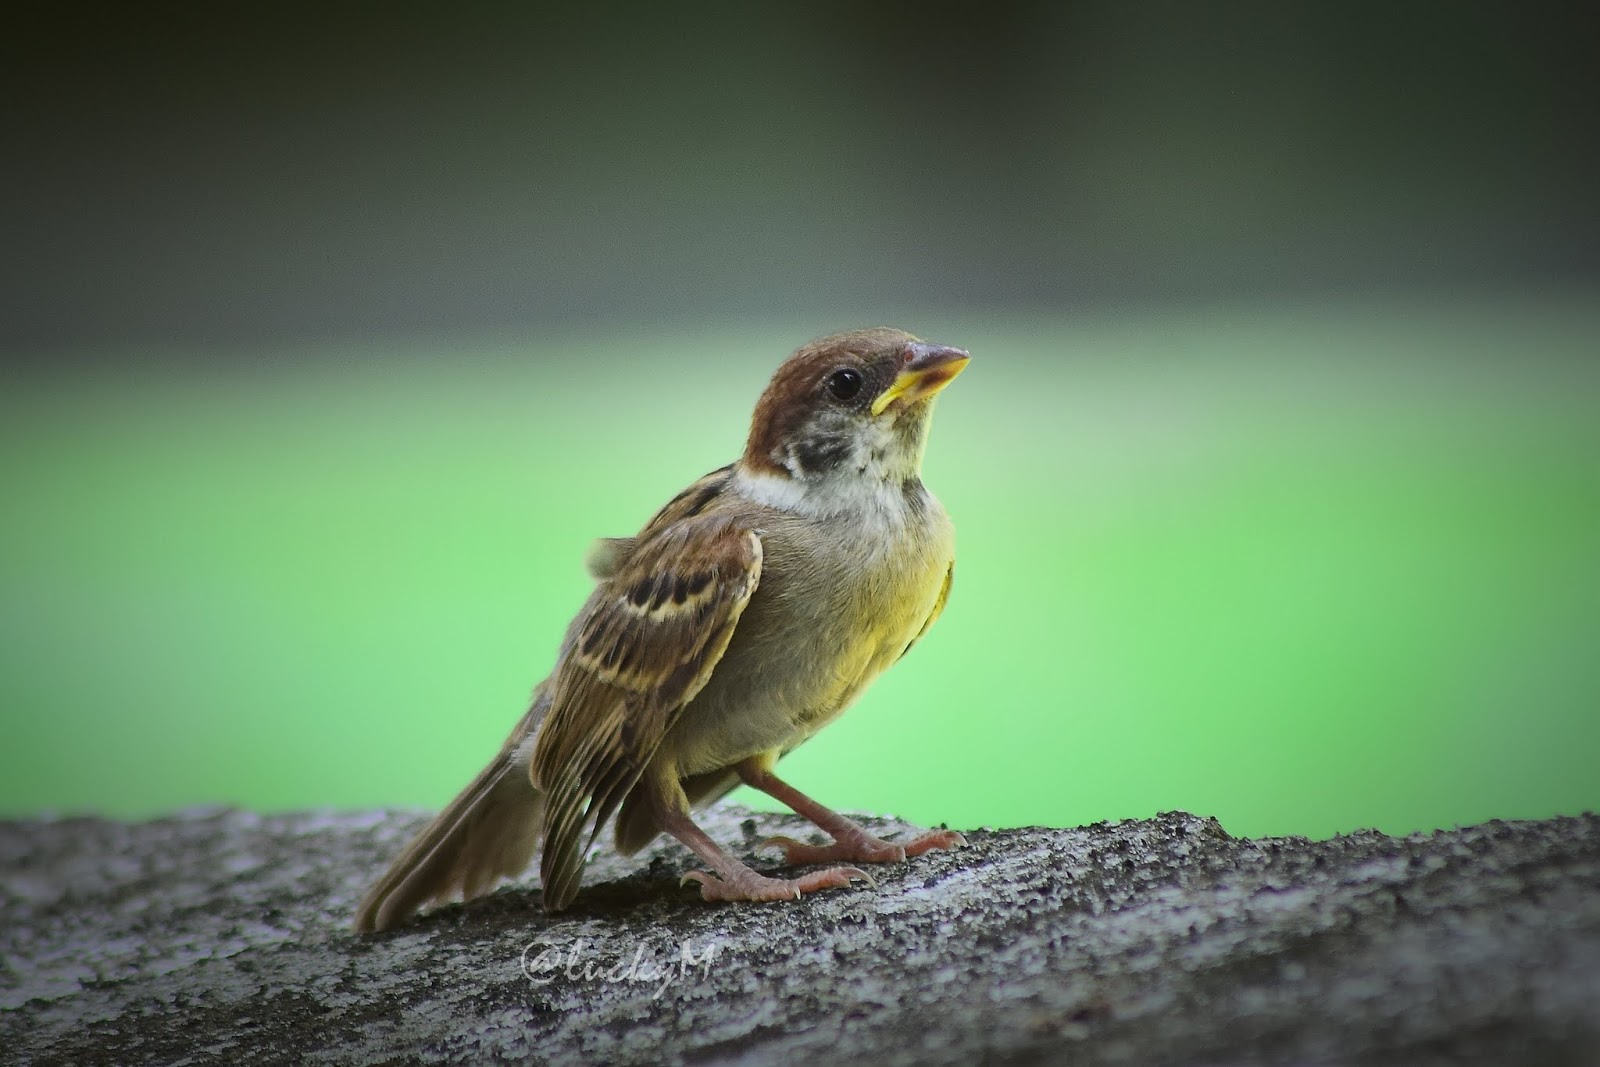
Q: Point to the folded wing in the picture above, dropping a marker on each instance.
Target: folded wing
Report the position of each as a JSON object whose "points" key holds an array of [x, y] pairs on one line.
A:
{"points": [[652, 636]]}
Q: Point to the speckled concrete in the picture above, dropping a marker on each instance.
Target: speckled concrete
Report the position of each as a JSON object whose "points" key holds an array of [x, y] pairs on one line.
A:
{"points": [[221, 937]]}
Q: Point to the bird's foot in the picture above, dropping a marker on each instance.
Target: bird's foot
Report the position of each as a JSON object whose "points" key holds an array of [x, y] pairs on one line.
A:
{"points": [[748, 885], [862, 847]]}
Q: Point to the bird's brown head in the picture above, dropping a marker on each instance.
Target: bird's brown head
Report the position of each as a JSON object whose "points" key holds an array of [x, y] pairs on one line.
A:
{"points": [[852, 405]]}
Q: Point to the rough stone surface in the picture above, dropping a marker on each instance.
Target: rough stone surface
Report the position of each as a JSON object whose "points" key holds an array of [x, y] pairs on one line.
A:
{"points": [[222, 936]]}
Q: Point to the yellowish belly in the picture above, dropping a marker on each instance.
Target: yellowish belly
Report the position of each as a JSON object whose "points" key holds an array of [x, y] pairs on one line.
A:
{"points": [[798, 669]]}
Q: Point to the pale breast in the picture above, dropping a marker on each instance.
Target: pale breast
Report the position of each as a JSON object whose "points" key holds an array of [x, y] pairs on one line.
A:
{"points": [[837, 604]]}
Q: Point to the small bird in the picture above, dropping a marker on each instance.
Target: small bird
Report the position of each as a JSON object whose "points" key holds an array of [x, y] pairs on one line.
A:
{"points": [[745, 616]]}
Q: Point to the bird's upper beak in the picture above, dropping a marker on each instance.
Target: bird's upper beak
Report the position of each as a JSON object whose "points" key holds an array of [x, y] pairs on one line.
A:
{"points": [[925, 370]]}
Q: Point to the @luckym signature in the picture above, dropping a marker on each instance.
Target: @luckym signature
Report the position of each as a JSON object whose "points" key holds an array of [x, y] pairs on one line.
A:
{"points": [[581, 961]]}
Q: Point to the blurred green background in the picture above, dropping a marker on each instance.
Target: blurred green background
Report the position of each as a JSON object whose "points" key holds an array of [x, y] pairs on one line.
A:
{"points": [[1218, 563], [1276, 473]]}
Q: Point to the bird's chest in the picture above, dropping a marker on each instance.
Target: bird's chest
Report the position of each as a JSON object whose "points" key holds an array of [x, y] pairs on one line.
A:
{"points": [[830, 614], [870, 619]]}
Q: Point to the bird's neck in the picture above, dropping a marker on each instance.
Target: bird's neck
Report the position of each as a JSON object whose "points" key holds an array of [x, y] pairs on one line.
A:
{"points": [[876, 494], [869, 472]]}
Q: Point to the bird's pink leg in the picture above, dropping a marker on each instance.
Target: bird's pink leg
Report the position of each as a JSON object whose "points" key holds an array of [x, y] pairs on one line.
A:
{"points": [[735, 881], [851, 841]]}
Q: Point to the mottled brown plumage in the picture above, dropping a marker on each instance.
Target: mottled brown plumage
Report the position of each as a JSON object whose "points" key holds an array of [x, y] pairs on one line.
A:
{"points": [[659, 625], [745, 616]]}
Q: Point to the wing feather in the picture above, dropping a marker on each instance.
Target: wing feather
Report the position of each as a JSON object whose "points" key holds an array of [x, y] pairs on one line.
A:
{"points": [[647, 644]]}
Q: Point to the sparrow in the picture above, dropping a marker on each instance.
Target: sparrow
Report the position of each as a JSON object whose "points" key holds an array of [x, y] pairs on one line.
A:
{"points": [[745, 616]]}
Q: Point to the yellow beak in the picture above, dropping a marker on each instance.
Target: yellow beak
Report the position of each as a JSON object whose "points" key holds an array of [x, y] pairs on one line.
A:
{"points": [[928, 369]]}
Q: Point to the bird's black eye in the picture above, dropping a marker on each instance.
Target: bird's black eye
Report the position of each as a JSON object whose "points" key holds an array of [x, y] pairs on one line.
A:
{"points": [[844, 383]]}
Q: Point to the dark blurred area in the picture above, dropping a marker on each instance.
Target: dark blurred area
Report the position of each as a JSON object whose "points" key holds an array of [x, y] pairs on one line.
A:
{"points": [[215, 180]]}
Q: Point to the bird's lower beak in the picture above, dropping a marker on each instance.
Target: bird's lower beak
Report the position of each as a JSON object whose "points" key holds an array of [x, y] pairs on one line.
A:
{"points": [[926, 370]]}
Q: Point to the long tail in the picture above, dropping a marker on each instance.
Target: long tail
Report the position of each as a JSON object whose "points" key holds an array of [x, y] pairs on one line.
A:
{"points": [[488, 832]]}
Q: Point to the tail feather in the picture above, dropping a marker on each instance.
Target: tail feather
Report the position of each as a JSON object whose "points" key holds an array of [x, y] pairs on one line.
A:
{"points": [[488, 832]]}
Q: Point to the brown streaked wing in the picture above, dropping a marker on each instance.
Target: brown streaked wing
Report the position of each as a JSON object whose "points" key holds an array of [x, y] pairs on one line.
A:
{"points": [[607, 555], [654, 634], [692, 501]]}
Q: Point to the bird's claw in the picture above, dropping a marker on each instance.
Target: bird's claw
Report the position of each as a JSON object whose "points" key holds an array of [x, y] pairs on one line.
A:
{"points": [[758, 887], [932, 839], [863, 848]]}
